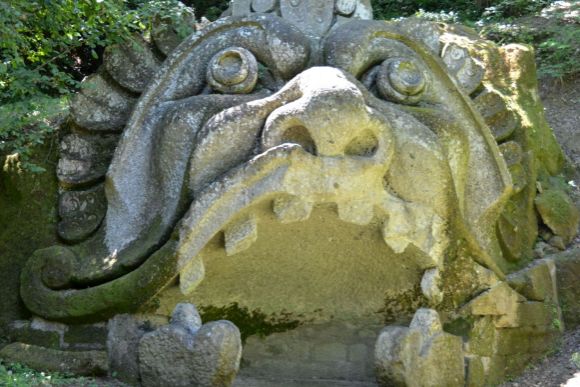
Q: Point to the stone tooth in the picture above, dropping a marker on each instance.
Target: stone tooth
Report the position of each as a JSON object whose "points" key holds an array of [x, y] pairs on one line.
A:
{"points": [[394, 230], [291, 209], [240, 235], [358, 212], [430, 286], [191, 275]]}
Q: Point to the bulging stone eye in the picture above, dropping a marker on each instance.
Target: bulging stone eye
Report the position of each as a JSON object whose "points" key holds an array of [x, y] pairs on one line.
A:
{"points": [[401, 80], [233, 71]]}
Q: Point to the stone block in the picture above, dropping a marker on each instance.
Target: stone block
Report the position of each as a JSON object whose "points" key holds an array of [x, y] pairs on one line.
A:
{"points": [[22, 331], [475, 371], [530, 314], [92, 336], [124, 333], [482, 337], [568, 275], [422, 355], [536, 282], [499, 300], [359, 353], [559, 213], [101, 105], [132, 64], [186, 353], [330, 352]]}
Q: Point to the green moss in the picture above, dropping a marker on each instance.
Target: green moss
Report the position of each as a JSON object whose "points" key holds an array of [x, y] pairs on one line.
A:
{"points": [[558, 212], [28, 216], [249, 322], [400, 308], [461, 326]]}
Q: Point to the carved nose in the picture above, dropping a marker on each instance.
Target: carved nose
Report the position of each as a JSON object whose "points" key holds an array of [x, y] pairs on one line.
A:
{"points": [[330, 118]]}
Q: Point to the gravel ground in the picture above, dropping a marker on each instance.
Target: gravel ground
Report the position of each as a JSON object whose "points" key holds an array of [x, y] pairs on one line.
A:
{"points": [[560, 369]]}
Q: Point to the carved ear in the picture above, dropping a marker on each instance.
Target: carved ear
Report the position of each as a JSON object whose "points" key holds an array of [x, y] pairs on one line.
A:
{"points": [[277, 44]]}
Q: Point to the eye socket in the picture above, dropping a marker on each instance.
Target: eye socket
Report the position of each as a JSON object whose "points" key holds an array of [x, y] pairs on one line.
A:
{"points": [[401, 80], [233, 71]]}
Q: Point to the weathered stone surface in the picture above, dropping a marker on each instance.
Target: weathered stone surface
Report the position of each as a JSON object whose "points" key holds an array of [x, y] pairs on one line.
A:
{"points": [[403, 195], [87, 363], [86, 336], [233, 71], [84, 159], [568, 279], [132, 64], [496, 114], [466, 70], [537, 282], [101, 105], [167, 34], [531, 314], [35, 332], [217, 351], [431, 286], [165, 358], [421, 355], [499, 300], [291, 209], [559, 213], [240, 235], [81, 212], [186, 316], [262, 6], [185, 353], [124, 334], [313, 17]]}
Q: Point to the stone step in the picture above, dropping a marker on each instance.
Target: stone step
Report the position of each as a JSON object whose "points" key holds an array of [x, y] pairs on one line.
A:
{"points": [[59, 336], [272, 382], [316, 353]]}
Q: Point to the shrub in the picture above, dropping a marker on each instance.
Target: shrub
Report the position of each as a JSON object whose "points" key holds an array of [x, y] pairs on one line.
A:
{"points": [[47, 47]]}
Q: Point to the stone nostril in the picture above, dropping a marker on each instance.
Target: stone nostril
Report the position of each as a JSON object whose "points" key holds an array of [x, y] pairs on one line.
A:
{"points": [[365, 144], [301, 136]]}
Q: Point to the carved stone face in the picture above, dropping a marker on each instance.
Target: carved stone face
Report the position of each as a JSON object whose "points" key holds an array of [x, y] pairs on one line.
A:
{"points": [[288, 158]]}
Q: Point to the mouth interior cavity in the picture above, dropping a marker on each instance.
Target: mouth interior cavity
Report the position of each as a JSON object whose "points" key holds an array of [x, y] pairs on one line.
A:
{"points": [[313, 270]]}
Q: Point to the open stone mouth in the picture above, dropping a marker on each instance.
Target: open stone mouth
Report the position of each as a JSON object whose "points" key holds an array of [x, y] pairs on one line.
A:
{"points": [[319, 168], [381, 133], [320, 143]]}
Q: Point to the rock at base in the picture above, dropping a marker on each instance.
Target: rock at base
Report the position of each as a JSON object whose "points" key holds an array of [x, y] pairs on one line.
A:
{"points": [[421, 355], [186, 353]]}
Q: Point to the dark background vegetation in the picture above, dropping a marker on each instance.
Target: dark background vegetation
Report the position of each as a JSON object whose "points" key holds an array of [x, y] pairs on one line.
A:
{"points": [[48, 46]]}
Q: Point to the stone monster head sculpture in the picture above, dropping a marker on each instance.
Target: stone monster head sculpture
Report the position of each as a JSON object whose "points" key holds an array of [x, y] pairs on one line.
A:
{"points": [[269, 131]]}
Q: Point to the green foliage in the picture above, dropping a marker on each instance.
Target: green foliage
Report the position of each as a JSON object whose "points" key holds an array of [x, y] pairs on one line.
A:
{"points": [[553, 30], [18, 375], [47, 47], [575, 359], [211, 9], [514, 8], [558, 56]]}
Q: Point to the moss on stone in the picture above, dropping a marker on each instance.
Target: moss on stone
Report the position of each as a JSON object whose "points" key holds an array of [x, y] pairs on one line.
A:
{"points": [[28, 217], [559, 213], [249, 322]]}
